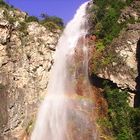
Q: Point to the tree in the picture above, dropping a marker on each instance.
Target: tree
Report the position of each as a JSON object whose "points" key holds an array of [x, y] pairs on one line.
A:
{"points": [[56, 20]]}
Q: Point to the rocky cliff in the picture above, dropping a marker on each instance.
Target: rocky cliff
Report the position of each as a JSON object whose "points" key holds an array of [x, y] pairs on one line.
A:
{"points": [[119, 61], [26, 57], [115, 66]]}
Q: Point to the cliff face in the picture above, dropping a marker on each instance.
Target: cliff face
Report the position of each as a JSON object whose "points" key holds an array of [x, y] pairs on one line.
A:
{"points": [[123, 67], [119, 61], [115, 66], [26, 57]]}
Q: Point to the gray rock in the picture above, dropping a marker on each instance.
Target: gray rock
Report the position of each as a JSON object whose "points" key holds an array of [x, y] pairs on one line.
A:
{"points": [[124, 48], [25, 61]]}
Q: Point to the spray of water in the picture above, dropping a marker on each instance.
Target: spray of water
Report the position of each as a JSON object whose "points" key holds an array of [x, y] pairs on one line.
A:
{"points": [[61, 111]]}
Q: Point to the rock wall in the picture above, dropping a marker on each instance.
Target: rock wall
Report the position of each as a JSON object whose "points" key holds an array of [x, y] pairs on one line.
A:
{"points": [[119, 62], [123, 68], [26, 57]]}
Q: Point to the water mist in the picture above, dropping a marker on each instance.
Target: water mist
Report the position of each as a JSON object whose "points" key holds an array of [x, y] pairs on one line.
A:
{"points": [[62, 114]]}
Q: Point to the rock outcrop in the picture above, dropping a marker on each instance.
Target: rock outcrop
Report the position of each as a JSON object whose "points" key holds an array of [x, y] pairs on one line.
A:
{"points": [[122, 68], [26, 57], [119, 62]]}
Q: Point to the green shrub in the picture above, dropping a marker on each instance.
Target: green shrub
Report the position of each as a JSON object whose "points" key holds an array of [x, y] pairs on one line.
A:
{"points": [[105, 25], [31, 19], [2, 87], [122, 121], [3, 4], [135, 122], [100, 46], [23, 27], [50, 25], [52, 21], [129, 2]]}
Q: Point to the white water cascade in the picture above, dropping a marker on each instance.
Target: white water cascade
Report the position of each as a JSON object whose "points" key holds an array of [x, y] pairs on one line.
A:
{"points": [[60, 116]]}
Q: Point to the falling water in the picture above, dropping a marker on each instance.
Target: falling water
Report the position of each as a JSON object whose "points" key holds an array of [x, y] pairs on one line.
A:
{"points": [[61, 115]]}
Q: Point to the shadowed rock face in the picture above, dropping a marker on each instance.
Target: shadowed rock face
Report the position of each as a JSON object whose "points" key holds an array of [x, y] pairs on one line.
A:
{"points": [[26, 57], [137, 96]]}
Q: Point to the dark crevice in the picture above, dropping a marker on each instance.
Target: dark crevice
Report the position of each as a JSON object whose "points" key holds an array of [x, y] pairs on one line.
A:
{"points": [[3, 64], [102, 82], [137, 96], [99, 82], [52, 49], [28, 57]]}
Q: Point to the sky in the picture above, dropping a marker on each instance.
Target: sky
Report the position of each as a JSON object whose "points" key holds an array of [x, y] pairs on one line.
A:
{"points": [[64, 9]]}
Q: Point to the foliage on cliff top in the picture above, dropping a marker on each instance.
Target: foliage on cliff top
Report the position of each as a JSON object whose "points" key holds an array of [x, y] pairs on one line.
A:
{"points": [[3, 4], [50, 22], [104, 19], [107, 18]]}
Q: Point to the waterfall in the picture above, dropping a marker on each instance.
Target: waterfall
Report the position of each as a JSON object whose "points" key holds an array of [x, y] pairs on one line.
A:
{"points": [[65, 113]]}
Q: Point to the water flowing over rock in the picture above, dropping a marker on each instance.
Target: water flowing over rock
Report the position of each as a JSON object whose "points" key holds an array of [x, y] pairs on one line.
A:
{"points": [[67, 111]]}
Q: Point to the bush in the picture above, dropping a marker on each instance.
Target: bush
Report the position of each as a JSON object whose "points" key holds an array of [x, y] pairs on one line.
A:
{"points": [[3, 4], [129, 2], [122, 120], [100, 46], [105, 25], [2, 87], [52, 21], [31, 19], [50, 25], [135, 122], [23, 27]]}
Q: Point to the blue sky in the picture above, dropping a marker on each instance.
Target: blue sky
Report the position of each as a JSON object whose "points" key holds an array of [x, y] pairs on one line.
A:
{"points": [[61, 8]]}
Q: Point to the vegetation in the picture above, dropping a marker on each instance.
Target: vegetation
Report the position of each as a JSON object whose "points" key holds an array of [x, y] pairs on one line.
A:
{"points": [[3, 4], [100, 46], [2, 87], [23, 27], [105, 19], [104, 23], [52, 22], [31, 19], [122, 122], [29, 127]]}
